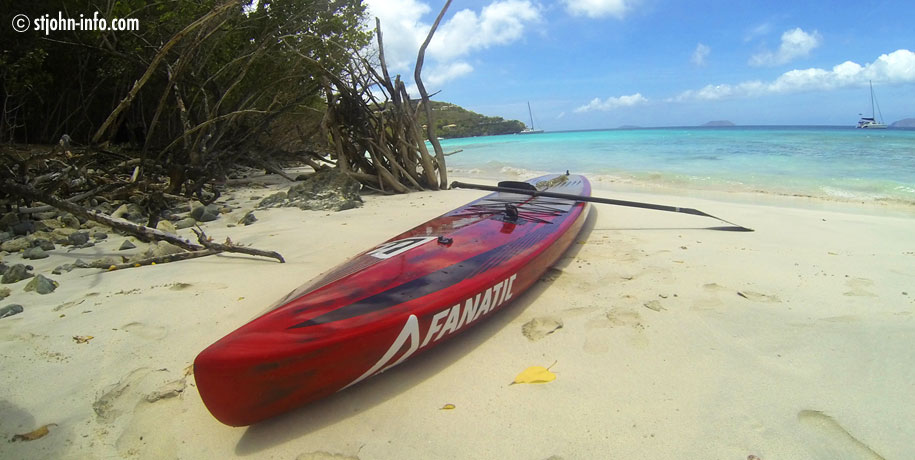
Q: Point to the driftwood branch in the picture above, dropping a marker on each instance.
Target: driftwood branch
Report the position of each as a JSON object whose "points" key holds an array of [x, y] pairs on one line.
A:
{"points": [[165, 259], [203, 239], [430, 125]]}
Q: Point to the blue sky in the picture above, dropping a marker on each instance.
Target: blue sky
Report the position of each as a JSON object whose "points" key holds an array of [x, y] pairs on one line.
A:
{"points": [[592, 64]]}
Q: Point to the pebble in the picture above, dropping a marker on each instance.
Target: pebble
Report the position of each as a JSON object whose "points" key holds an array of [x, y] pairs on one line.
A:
{"points": [[100, 236], [4, 292], [34, 254], [205, 213], [248, 219], [10, 310], [126, 245], [42, 285], [44, 243], [187, 222], [78, 238], [16, 273]]}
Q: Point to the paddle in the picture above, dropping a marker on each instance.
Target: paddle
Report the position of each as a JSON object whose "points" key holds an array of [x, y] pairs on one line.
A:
{"points": [[525, 188]]}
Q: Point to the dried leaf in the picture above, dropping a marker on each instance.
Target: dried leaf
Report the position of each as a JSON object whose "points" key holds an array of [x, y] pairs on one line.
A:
{"points": [[33, 435], [83, 338], [447, 407], [535, 374]]}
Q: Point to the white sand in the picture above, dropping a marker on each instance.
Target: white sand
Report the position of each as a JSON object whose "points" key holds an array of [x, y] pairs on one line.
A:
{"points": [[795, 341]]}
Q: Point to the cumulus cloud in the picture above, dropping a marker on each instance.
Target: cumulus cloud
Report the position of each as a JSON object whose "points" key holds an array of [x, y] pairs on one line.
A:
{"points": [[499, 23], [702, 51], [611, 103], [893, 68], [600, 8], [795, 44]]}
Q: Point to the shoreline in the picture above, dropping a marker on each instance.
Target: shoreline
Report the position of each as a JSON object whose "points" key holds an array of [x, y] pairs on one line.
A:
{"points": [[618, 184], [677, 341]]}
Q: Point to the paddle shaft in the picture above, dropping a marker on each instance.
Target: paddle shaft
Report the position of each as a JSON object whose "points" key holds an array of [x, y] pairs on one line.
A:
{"points": [[593, 199]]}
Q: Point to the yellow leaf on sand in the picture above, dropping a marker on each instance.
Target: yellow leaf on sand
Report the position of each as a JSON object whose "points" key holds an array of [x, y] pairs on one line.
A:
{"points": [[535, 374], [82, 338], [447, 407], [33, 435]]}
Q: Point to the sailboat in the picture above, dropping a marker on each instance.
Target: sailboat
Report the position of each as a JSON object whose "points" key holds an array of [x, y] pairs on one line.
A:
{"points": [[872, 122], [531, 130]]}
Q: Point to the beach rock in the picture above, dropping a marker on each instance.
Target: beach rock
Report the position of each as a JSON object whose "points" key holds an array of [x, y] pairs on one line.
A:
{"points": [[50, 224], [78, 238], [34, 254], [127, 244], [206, 213], [159, 249], [8, 220], [3, 268], [5, 236], [69, 221], [272, 201], [120, 212], [43, 243], [16, 245], [4, 292], [248, 219], [99, 236], [325, 190], [166, 226], [61, 235], [10, 310], [69, 267], [23, 228], [16, 273], [187, 222], [42, 285], [106, 262]]}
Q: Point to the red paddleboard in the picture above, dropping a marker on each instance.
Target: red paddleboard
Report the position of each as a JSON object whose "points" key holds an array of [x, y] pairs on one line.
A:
{"points": [[390, 303]]}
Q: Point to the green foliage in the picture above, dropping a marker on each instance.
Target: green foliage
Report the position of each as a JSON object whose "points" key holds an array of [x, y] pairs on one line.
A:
{"points": [[454, 121], [234, 74]]}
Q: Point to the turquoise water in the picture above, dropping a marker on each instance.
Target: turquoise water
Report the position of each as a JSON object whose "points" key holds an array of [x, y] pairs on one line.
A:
{"points": [[835, 163]]}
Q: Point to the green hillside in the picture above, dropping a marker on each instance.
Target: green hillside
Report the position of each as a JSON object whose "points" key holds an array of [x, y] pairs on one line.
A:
{"points": [[454, 121]]}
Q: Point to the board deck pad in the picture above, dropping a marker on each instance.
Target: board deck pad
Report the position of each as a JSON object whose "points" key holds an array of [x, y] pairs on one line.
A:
{"points": [[389, 303]]}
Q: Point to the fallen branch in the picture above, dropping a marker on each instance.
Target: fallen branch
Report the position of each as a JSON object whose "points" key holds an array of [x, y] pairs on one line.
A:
{"points": [[207, 242], [165, 259]]}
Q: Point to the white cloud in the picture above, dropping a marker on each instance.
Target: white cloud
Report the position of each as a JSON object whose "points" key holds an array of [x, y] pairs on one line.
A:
{"points": [[444, 72], [612, 103], [600, 8], [500, 23], [795, 44], [893, 68], [702, 51]]}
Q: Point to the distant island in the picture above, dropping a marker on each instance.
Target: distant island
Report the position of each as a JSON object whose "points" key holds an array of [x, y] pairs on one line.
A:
{"points": [[904, 123], [718, 123], [454, 121]]}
